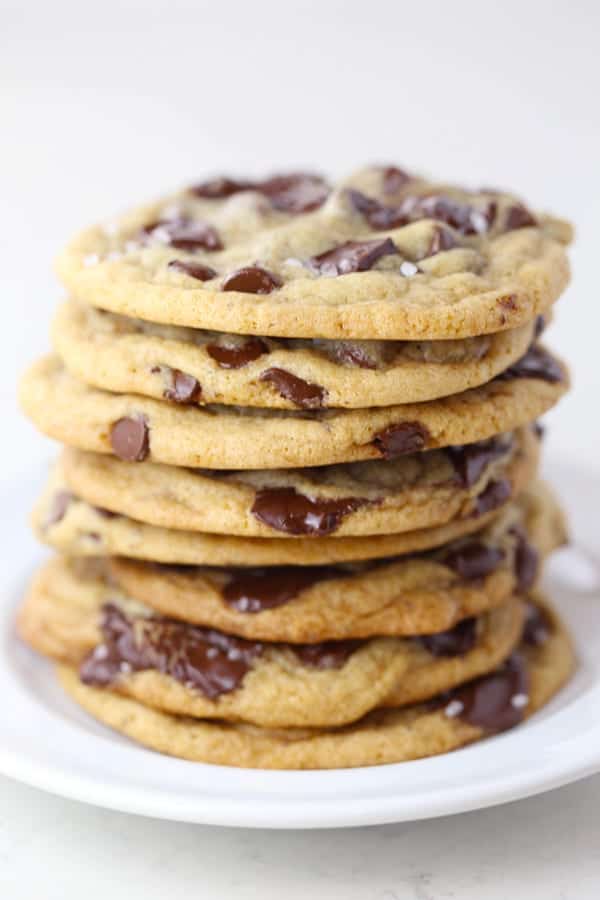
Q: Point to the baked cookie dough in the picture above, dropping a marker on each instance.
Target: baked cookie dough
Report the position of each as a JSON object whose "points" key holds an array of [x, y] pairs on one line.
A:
{"points": [[409, 595], [226, 437], [374, 497], [130, 356], [475, 710], [420, 261], [74, 614], [75, 527]]}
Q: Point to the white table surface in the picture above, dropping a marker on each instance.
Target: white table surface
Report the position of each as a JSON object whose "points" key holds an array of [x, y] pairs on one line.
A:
{"points": [[543, 848], [106, 107]]}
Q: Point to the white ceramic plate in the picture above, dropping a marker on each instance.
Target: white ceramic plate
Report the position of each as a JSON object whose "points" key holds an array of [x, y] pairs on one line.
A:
{"points": [[46, 741]]}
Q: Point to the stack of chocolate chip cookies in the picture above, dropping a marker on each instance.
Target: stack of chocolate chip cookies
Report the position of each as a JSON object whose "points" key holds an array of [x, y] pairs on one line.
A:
{"points": [[297, 518]]}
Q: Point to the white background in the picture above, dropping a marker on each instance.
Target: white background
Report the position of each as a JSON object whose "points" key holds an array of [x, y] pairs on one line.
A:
{"points": [[108, 103]]}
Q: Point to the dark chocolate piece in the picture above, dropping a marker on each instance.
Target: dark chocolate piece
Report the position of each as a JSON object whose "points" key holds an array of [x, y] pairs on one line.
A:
{"points": [[353, 256], [200, 658], [251, 280], [194, 270], [301, 393], [398, 440], [239, 355], [254, 590], [472, 559], [454, 642], [130, 438], [284, 509]]}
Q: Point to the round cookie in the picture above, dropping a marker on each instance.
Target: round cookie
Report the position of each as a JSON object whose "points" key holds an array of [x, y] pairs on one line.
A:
{"points": [[410, 595], [131, 356], [225, 437], [419, 261], [496, 702], [75, 615], [421, 490], [72, 526]]}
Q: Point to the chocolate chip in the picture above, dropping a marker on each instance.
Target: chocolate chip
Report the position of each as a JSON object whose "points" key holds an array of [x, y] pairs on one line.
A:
{"points": [[538, 429], [463, 217], [538, 626], [183, 388], [494, 702], [378, 215], [201, 658], [394, 179], [326, 655], [184, 233], [442, 239], [540, 326], [398, 440], [472, 559], [194, 270], [353, 355], [518, 216], [251, 280], [455, 642], [219, 188], [494, 495], [296, 193], [58, 507], [284, 509], [130, 439], [353, 256], [526, 562], [105, 513], [239, 355], [471, 460], [254, 590], [301, 393], [536, 363]]}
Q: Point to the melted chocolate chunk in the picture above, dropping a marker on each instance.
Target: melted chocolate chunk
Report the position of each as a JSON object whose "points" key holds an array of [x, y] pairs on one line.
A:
{"points": [[540, 325], [538, 626], [378, 215], [201, 658], [536, 363], [301, 393], [455, 642], [473, 559], [398, 440], [130, 438], [219, 188], [183, 388], [184, 233], [353, 256], [494, 495], [463, 217], [292, 513], [471, 460], [237, 356], [526, 562], [518, 217], [294, 193], [105, 513], [194, 270], [254, 590], [442, 239], [251, 280], [394, 179], [353, 355], [494, 702], [58, 508], [326, 655]]}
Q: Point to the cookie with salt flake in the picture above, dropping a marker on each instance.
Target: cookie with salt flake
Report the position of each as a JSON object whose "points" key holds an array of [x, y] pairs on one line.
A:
{"points": [[369, 258], [493, 703], [74, 614]]}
